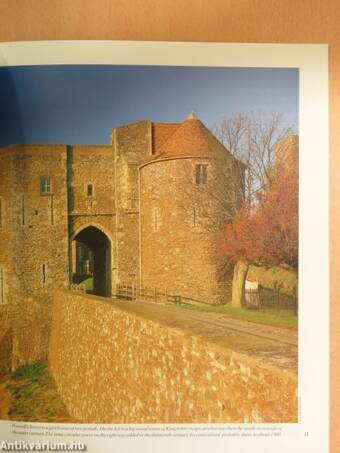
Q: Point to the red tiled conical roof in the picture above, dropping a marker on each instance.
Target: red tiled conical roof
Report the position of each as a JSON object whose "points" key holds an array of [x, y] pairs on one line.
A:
{"points": [[192, 139], [161, 133]]}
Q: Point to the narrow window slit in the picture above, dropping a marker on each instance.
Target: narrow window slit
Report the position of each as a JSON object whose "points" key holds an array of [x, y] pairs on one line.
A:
{"points": [[89, 190], [201, 174], [23, 220], [44, 273]]}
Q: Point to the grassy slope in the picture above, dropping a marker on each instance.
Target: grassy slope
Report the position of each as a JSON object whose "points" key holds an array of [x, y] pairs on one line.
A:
{"points": [[31, 396], [270, 277]]}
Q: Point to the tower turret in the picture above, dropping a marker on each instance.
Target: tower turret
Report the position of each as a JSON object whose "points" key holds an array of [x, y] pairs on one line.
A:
{"points": [[188, 192]]}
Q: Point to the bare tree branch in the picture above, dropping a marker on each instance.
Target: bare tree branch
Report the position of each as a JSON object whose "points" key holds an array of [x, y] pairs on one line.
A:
{"points": [[252, 138]]}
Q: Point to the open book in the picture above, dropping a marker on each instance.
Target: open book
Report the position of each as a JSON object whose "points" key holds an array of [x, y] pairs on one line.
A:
{"points": [[163, 247]]}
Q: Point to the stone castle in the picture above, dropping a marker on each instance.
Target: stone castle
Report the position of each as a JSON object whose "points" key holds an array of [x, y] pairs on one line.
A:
{"points": [[150, 207]]}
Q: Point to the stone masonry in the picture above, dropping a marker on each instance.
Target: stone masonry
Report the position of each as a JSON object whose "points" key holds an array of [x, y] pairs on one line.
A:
{"points": [[148, 372], [148, 206]]}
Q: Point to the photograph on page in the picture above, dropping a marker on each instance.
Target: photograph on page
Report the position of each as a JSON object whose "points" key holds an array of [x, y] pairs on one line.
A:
{"points": [[155, 235]]}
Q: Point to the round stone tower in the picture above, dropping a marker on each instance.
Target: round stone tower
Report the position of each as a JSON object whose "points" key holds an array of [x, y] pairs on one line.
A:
{"points": [[188, 192]]}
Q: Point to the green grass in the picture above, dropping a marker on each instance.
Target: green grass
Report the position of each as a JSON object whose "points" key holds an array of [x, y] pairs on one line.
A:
{"points": [[279, 318], [81, 279], [34, 396], [271, 277], [32, 372], [88, 284]]}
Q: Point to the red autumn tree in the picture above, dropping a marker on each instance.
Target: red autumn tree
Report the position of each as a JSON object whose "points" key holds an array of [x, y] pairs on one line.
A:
{"points": [[268, 233]]}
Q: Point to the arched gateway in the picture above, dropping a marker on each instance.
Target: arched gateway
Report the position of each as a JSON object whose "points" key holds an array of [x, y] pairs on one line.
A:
{"points": [[98, 248]]}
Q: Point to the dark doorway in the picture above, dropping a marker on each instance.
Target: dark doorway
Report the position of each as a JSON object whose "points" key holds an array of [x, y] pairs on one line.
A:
{"points": [[91, 261]]}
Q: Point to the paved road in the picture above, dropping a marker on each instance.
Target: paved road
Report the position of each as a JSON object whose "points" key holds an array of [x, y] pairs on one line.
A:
{"points": [[274, 345]]}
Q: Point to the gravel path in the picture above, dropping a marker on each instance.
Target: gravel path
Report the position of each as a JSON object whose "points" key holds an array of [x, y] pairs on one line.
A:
{"points": [[274, 345]]}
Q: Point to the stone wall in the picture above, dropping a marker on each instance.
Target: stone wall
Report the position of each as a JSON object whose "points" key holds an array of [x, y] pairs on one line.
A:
{"points": [[7, 282], [5, 340], [91, 203], [114, 205], [287, 151], [31, 324], [111, 366], [33, 247], [36, 228], [40, 220], [91, 165], [132, 144], [181, 225], [24, 333]]}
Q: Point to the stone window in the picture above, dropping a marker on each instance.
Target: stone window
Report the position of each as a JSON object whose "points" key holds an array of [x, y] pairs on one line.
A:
{"points": [[156, 219], [89, 190], [133, 203], [44, 274], [23, 220], [201, 174], [46, 185]]}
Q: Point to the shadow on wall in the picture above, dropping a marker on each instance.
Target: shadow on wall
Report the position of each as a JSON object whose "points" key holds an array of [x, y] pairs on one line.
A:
{"points": [[11, 124], [5, 352]]}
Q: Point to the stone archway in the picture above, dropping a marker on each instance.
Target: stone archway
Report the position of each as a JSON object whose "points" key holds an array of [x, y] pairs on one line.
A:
{"points": [[99, 246]]}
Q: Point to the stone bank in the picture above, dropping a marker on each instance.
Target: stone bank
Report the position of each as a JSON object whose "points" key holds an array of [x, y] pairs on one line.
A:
{"points": [[114, 366]]}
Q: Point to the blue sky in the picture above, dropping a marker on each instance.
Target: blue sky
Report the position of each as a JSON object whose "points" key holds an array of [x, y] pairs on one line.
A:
{"points": [[82, 103]]}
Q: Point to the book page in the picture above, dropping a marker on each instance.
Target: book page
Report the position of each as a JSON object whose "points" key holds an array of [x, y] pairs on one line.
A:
{"points": [[164, 246]]}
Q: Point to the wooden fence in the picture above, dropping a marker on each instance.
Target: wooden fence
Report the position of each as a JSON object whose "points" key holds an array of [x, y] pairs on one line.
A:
{"points": [[268, 299], [153, 294]]}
